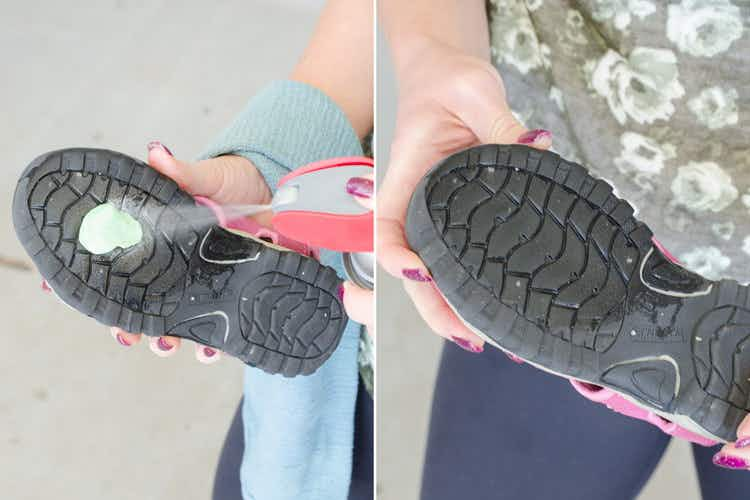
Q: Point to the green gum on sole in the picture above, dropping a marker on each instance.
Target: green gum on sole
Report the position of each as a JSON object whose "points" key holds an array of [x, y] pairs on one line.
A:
{"points": [[106, 227]]}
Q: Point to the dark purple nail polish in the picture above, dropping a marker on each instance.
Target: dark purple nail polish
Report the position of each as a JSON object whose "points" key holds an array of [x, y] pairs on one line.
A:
{"points": [[158, 145], [742, 443], [416, 275], [341, 292], [122, 340], [163, 344], [210, 353], [359, 186], [466, 345], [533, 136], [729, 462]]}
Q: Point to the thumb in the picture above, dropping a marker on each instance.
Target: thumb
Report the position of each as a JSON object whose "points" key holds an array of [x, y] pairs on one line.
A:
{"points": [[482, 105], [361, 189], [227, 180]]}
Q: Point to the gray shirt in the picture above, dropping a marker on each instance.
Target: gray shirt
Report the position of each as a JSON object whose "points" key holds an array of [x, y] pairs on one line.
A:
{"points": [[651, 95]]}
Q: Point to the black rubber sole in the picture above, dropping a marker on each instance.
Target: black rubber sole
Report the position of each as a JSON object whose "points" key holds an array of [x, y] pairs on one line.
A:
{"points": [[547, 263], [273, 309]]}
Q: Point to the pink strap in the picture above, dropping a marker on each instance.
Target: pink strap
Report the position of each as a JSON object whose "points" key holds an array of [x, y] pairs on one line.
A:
{"points": [[666, 252], [329, 163], [618, 403]]}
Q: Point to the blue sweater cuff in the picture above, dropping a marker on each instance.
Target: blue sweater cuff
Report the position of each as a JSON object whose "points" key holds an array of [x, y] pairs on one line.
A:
{"points": [[286, 125], [298, 432]]}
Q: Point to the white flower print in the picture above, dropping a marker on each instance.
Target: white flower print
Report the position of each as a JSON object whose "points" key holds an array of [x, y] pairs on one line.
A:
{"points": [[709, 262], [523, 116], [746, 245], [703, 186], [724, 230], [574, 23], [715, 108], [557, 97], [643, 158], [746, 200], [533, 5], [640, 87], [621, 11], [515, 41], [704, 28]]}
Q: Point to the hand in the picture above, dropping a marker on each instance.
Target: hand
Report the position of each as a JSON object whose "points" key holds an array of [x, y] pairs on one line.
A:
{"points": [[736, 455], [227, 180], [359, 302], [448, 101]]}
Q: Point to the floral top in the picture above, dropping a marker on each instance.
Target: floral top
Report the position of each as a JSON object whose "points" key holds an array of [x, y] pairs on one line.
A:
{"points": [[651, 95]]}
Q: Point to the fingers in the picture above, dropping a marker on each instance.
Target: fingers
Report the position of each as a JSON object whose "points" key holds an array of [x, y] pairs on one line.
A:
{"points": [[440, 317], [537, 138], [736, 455], [394, 254], [359, 304], [124, 338], [164, 346], [162, 159], [480, 102], [361, 188], [408, 164], [731, 457], [207, 355], [227, 180]]}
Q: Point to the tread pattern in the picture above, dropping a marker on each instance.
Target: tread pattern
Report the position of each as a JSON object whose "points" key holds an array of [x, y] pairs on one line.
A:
{"points": [[546, 262], [147, 277], [181, 279], [721, 351], [281, 313], [542, 238]]}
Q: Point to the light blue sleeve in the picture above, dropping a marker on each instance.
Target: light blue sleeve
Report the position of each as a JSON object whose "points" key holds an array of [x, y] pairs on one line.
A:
{"points": [[285, 126], [298, 432]]}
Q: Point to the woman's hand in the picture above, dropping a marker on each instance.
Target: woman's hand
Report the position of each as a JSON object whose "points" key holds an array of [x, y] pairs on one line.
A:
{"points": [[736, 455], [227, 180], [359, 302], [448, 101]]}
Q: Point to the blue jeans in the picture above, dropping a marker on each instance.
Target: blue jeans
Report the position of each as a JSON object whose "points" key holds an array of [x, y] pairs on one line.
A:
{"points": [[501, 430], [227, 479]]}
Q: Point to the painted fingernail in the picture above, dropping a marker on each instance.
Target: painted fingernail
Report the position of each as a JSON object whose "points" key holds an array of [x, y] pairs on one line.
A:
{"points": [[729, 462], [514, 358], [533, 136], [122, 340], [416, 275], [359, 186], [163, 344], [46, 286], [742, 443], [341, 292], [158, 145], [210, 353], [466, 345]]}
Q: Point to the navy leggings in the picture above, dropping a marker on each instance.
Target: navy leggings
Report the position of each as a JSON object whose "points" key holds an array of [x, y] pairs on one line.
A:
{"points": [[227, 480], [500, 430]]}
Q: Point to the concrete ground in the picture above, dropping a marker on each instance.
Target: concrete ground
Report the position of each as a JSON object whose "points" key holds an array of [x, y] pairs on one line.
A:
{"points": [[407, 363], [82, 417]]}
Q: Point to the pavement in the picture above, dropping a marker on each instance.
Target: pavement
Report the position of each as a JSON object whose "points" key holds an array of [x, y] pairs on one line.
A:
{"points": [[82, 417]]}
